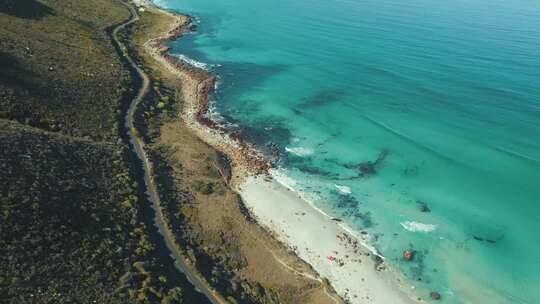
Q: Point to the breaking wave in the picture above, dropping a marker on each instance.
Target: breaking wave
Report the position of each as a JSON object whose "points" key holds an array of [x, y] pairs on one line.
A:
{"points": [[343, 189], [195, 63], [299, 151], [418, 227]]}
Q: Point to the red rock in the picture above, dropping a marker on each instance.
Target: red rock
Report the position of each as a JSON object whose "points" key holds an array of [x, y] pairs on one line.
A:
{"points": [[408, 255]]}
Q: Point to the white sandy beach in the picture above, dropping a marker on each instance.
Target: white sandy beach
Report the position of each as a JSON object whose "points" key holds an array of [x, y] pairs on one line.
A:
{"points": [[317, 239]]}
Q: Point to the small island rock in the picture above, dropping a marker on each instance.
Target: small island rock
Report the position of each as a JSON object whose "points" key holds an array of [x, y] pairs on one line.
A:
{"points": [[408, 255]]}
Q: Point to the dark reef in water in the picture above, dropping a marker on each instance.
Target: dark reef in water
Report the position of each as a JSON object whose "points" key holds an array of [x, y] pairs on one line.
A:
{"points": [[423, 207], [411, 170], [365, 217], [365, 169], [351, 209], [487, 234], [322, 98], [347, 202], [316, 171], [482, 239], [369, 168]]}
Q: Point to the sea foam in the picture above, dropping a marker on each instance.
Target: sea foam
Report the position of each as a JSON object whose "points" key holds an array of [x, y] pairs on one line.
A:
{"points": [[418, 227], [195, 63], [299, 151], [343, 189]]}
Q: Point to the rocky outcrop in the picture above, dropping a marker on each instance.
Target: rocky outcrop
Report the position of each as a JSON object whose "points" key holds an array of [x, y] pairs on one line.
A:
{"points": [[435, 295], [408, 255]]}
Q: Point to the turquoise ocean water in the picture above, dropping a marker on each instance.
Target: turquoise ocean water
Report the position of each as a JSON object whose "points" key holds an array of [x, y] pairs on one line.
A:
{"points": [[383, 109]]}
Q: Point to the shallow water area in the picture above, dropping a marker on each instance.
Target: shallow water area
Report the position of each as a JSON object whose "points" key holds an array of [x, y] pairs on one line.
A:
{"points": [[417, 122]]}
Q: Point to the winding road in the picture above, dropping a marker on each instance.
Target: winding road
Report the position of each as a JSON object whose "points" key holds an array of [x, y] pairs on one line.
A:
{"points": [[137, 146]]}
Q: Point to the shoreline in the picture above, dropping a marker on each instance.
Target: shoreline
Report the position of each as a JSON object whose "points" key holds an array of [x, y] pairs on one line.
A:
{"points": [[197, 86], [372, 282], [357, 275]]}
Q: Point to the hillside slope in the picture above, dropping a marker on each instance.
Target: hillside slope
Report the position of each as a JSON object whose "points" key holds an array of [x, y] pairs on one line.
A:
{"points": [[74, 222]]}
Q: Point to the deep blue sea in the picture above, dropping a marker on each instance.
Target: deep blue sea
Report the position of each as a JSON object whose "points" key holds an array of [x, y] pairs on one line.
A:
{"points": [[417, 121]]}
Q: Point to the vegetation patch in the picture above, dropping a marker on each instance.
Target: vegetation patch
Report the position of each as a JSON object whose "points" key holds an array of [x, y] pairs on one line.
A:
{"points": [[74, 221], [59, 71], [70, 222]]}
